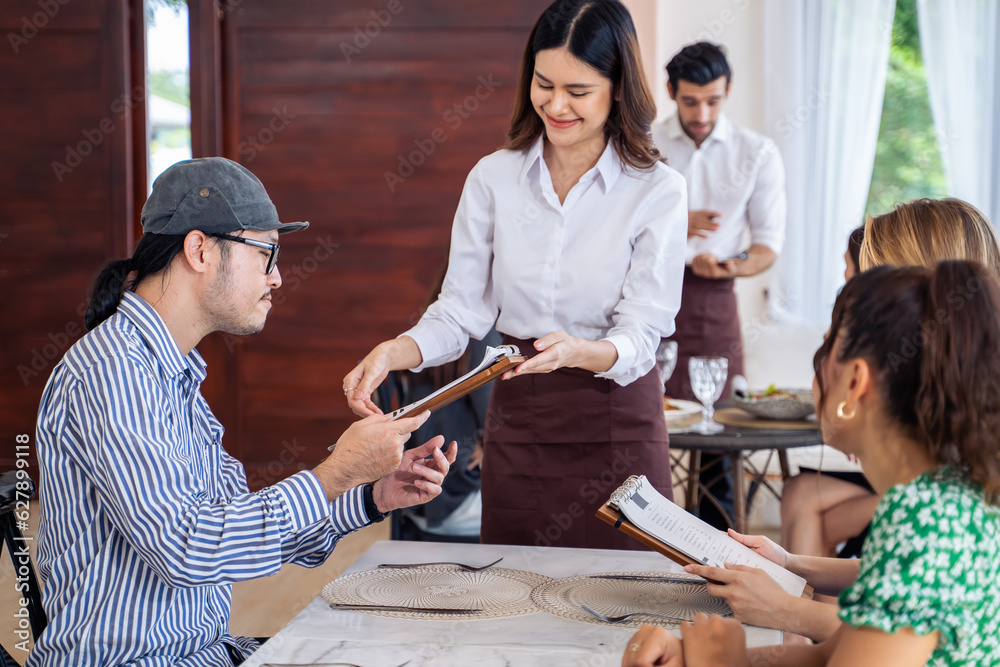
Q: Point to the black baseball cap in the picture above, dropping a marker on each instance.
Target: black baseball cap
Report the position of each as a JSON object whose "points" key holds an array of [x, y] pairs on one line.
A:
{"points": [[213, 195]]}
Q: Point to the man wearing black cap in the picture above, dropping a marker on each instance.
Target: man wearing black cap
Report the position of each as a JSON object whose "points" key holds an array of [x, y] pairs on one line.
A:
{"points": [[147, 521]]}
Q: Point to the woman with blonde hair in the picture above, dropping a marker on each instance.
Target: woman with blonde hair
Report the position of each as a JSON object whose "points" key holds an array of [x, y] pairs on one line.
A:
{"points": [[923, 232], [817, 510], [820, 511], [908, 380]]}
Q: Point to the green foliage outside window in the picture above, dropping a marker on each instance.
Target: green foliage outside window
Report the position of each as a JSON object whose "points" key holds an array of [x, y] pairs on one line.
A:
{"points": [[907, 160]]}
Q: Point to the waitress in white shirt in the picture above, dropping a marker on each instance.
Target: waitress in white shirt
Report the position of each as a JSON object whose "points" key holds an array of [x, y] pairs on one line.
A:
{"points": [[571, 238]]}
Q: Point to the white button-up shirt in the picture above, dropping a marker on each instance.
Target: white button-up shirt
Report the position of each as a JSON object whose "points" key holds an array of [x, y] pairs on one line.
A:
{"points": [[606, 264], [738, 173]]}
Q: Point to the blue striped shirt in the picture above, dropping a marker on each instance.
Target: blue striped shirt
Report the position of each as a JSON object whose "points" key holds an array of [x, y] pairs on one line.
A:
{"points": [[146, 521]]}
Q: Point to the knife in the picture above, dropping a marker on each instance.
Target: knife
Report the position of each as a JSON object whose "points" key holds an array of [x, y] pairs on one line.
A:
{"points": [[641, 577], [386, 607]]}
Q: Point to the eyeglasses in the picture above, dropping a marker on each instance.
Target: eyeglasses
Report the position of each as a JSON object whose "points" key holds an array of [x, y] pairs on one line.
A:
{"points": [[272, 259]]}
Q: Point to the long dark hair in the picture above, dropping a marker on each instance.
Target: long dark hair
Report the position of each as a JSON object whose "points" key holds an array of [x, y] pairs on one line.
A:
{"points": [[153, 254], [601, 34], [931, 337]]}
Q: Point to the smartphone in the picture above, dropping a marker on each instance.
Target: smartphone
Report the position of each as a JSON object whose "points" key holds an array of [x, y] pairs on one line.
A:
{"points": [[742, 255]]}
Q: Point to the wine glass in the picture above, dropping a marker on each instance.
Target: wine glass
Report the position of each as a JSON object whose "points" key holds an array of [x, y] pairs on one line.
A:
{"points": [[708, 377], [666, 359]]}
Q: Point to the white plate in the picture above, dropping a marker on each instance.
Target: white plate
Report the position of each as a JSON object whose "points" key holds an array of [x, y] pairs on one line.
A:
{"points": [[685, 410]]}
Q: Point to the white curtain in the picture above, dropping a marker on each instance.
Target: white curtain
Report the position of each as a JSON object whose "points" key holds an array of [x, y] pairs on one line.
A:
{"points": [[825, 67], [960, 42]]}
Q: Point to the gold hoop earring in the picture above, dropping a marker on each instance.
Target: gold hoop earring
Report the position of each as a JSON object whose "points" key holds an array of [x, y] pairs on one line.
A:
{"points": [[840, 411]]}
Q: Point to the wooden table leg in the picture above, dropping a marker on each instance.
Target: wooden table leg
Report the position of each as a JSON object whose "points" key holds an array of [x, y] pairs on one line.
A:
{"points": [[739, 495]]}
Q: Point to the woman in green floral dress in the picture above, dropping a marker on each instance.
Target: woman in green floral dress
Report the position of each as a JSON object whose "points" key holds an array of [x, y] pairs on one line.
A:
{"points": [[908, 380]]}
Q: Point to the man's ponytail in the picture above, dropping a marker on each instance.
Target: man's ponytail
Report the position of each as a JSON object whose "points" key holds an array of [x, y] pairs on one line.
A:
{"points": [[153, 254]]}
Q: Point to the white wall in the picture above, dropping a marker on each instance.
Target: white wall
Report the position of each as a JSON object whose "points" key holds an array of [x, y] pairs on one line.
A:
{"points": [[774, 352]]}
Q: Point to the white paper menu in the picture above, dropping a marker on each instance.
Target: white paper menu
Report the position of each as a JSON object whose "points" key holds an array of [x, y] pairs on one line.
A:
{"points": [[649, 511]]}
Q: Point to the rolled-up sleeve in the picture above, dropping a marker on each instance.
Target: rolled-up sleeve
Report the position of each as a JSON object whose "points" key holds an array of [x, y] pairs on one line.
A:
{"points": [[767, 208]]}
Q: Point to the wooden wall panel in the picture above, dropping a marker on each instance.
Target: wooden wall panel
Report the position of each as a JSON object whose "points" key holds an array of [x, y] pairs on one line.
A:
{"points": [[66, 97], [346, 116]]}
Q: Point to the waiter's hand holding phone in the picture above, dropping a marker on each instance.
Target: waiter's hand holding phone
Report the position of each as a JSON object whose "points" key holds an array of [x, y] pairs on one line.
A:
{"points": [[702, 223], [707, 265]]}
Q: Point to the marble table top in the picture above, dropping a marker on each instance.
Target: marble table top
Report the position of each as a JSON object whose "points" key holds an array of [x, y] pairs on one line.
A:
{"points": [[320, 635]]}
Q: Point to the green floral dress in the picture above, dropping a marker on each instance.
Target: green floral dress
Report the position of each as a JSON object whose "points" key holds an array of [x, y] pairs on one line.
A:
{"points": [[932, 562]]}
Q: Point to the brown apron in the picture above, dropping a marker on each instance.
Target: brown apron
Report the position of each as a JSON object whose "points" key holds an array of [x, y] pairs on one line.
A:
{"points": [[708, 324], [557, 444]]}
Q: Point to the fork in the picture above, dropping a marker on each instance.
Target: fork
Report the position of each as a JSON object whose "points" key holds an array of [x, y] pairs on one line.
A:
{"points": [[625, 617], [469, 568]]}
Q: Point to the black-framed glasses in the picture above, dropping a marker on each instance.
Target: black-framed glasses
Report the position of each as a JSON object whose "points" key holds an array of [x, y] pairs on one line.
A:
{"points": [[272, 259]]}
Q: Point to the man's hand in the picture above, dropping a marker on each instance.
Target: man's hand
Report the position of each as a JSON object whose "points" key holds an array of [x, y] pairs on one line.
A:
{"points": [[713, 641], [757, 258], [707, 265], [653, 645], [417, 479], [368, 450], [702, 223], [391, 355], [753, 595]]}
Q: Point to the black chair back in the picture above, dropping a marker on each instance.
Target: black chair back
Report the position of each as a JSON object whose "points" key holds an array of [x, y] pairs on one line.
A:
{"points": [[16, 490]]}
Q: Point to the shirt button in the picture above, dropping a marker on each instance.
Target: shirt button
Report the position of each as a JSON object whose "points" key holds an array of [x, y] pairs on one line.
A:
{"points": [[203, 192]]}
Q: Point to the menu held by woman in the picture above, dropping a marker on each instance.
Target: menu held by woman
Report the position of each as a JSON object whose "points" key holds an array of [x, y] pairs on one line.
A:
{"points": [[649, 511]]}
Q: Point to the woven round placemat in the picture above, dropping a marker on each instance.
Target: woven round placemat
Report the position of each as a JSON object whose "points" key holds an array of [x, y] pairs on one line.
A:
{"points": [[737, 417], [498, 592], [616, 597]]}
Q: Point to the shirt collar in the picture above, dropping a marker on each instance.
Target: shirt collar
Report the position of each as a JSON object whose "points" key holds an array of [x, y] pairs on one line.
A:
{"points": [[163, 346], [721, 132], [608, 166], [531, 159]]}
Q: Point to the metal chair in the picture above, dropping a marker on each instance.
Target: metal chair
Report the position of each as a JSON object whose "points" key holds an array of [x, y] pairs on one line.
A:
{"points": [[13, 511]]}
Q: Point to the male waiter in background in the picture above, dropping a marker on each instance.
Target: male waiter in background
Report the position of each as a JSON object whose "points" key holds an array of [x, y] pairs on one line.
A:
{"points": [[736, 182]]}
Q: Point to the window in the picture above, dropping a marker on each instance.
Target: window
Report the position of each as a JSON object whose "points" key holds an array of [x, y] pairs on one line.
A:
{"points": [[168, 81], [907, 158]]}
